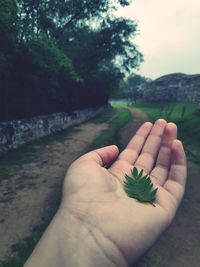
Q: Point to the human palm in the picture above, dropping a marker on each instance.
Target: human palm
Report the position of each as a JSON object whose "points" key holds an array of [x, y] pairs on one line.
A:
{"points": [[122, 227]]}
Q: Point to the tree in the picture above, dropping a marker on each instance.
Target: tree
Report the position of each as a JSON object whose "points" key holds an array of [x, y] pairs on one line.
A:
{"points": [[106, 48], [8, 26], [45, 78], [60, 55], [59, 18], [8, 49], [135, 86]]}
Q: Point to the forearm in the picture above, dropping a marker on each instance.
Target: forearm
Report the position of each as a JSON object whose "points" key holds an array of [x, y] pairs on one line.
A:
{"points": [[67, 243]]}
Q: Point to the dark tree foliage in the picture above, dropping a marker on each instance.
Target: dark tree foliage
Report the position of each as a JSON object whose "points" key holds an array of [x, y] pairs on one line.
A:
{"points": [[8, 48], [135, 86], [61, 55]]}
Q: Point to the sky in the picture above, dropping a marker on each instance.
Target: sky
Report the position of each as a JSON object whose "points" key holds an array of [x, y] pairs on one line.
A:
{"points": [[169, 35]]}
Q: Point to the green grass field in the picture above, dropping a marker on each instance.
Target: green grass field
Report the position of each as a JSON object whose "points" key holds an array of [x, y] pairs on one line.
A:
{"points": [[183, 114]]}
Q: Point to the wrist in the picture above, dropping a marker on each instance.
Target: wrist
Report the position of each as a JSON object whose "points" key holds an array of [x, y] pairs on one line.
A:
{"points": [[68, 241]]}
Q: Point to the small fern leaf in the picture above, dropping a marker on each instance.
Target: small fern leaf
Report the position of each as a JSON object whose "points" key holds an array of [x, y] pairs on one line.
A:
{"points": [[140, 187]]}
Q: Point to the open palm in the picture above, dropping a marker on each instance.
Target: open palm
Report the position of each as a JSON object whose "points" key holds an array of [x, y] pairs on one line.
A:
{"points": [[122, 227]]}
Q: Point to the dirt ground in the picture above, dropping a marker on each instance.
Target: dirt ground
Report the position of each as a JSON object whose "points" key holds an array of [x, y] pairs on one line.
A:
{"points": [[27, 194]]}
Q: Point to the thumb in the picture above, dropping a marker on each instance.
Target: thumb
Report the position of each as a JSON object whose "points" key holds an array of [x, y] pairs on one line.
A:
{"points": [[102, 156]]}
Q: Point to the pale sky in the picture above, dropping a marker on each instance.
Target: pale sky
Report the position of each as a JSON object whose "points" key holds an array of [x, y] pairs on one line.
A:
{"points": [[169, 35]]}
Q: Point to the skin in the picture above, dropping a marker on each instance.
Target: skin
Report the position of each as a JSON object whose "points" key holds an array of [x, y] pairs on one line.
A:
{"points": [[97, 224]]}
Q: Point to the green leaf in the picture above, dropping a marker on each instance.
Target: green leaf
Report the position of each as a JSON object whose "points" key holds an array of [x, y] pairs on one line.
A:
{"points": [[134, 172], [140, 187]]}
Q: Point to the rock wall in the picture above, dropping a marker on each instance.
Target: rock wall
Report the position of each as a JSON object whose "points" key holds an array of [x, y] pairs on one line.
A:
{"points": [[18, 132], [174, 87]]}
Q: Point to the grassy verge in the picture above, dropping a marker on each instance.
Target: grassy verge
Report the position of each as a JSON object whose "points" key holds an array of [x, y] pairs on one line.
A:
{"points": [[111, 135], [105, 116], [183, 114], [4, 173]]}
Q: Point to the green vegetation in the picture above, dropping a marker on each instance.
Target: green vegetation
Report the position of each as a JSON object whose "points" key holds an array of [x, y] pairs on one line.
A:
{"points": [[22, 154], [140, 187], [4, 173], [132, 87], [105, 116], [111, 136], [175, 112], [59, 56], [119, 103], [183, 114]]}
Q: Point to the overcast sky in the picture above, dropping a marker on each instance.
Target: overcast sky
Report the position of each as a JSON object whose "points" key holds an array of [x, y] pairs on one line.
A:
{"points": [[169, 35]]}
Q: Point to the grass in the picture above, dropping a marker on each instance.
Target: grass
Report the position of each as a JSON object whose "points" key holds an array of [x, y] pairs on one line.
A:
{"points": [[176, 112], [183, 114], [105, 116], [119, 103], [4, 173], [111, 135], [20, 155]]}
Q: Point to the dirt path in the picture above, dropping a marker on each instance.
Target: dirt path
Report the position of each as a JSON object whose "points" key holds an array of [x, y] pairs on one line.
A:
{"points": [[130, 129], [180, 245], [26, 195]]}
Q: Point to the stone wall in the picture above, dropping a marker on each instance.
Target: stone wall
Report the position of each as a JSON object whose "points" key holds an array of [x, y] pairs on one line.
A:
{"points": [[18, 132], [174, 87]]}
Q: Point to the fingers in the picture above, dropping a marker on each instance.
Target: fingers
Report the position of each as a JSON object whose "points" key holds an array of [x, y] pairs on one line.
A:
{"points": [[148, 156], [175, 184], [161, 169], [130, 154], [102, 156]]}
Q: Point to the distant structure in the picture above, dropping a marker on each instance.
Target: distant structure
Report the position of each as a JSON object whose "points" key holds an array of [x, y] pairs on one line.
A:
{"points": [[174, 87]]}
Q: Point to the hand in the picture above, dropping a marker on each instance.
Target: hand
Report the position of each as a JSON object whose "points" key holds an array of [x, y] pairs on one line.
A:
{"points": [[97, 223], [95, 195]]}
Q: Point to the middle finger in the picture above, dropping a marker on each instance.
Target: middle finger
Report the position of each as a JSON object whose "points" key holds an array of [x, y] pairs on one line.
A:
{"points": [[149, 153]]}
